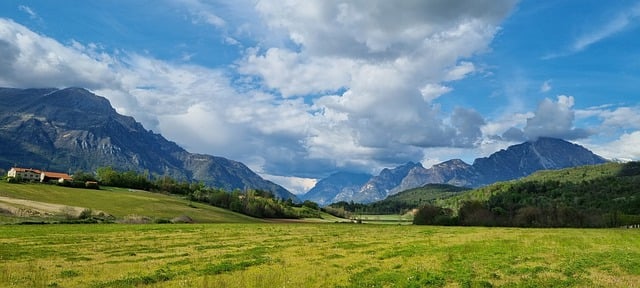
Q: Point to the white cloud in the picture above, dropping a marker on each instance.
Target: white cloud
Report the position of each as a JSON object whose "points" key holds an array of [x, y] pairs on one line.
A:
{"points": [[624, 20], [202, 12], [432, 91], [460, 71], [28, 10], [295, 75], [30, 59], [614, 117], [546, 86], [295, 185], [363, 64], [389, 59], [619, 23], [554, 119], [626, 147], [500, 125]]}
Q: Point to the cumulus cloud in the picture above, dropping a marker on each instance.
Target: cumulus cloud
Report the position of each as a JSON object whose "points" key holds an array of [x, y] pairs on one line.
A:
{"points": [[614, 117], [30, 59], [382, 65], [468, 124], [354, 87], [626, 147], [554, 119], [514, 134]]}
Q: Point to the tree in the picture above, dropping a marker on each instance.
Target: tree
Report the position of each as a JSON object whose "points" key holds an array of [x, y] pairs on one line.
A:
{"points": [[82, 176], [426, 215], [474, 213], [310, 204]]}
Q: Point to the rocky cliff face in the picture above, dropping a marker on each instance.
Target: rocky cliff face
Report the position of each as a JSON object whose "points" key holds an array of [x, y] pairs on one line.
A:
{"points": [[515, 162], [337, 187], [72, 129], [454, 172], [379, 187], [523, 159]]}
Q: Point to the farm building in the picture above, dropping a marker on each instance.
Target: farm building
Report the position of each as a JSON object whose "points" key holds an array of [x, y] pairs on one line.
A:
{"points": [[29, 174], [54, 176]]}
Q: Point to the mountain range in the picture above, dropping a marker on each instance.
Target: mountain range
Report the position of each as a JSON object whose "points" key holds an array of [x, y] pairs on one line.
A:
{"points": [[512, 163], [73, 129]]}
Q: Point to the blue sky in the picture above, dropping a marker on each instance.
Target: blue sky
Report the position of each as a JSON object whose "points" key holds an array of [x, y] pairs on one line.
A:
{"points": [[300, 89]]}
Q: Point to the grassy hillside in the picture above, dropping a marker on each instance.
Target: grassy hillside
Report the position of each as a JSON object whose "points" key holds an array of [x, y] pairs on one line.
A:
{"points": [[404, 201], [424, 194], [591, 196], [113, 201], [602, 174]]}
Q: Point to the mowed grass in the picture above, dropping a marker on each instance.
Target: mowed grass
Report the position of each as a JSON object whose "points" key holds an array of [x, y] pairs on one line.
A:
{"points": [[315, 255], [123, 202], [386, 218]]}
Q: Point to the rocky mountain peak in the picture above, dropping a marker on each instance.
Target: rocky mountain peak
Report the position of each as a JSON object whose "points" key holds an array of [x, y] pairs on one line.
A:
{"points": [[339, 186], [523, 159], [78, 99], [72, 129], [514, 162]]}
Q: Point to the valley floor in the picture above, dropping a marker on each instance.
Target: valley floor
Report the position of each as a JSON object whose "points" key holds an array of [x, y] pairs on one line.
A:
{"points": [[315, 255]]}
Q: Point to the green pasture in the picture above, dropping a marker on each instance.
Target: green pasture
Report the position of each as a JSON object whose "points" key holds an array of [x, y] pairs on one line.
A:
{"points": [[120, 203], [315, 255], [385, 218]]}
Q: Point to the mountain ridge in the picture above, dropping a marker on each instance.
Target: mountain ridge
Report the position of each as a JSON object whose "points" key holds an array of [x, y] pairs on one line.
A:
{"points": [[74, 129], [516, 161]]}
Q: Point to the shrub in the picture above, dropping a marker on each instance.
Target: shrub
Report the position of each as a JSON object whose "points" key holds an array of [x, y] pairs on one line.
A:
{"points": [[433, 215], [135, 219], [182, 219], [85, 214], [162, 221], [91, 185]]}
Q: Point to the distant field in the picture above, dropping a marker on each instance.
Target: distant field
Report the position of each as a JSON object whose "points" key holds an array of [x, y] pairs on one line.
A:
{"points": [[114, 201], [386, 218], [315, 255]]}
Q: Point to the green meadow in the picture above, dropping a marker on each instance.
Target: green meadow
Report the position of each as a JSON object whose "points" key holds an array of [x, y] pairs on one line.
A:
{"points": [[118, 202], [315, 255]]}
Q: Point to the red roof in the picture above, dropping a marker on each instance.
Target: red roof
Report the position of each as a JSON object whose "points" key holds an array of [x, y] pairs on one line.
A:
{"points": [[57, 175], [27, 170]]}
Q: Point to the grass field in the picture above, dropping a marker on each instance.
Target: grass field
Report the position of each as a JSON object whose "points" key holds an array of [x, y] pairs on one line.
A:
{"points": [[117, 202], [315, 255], [385, 218]]}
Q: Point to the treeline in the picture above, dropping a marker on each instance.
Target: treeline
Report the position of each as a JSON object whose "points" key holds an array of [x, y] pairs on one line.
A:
{"points": [[255, 203], [387, 207], [608, 201], [402, 202]]}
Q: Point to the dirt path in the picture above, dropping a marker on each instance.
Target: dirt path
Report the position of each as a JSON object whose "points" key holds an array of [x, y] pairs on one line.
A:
{"points": [[21, 206]]}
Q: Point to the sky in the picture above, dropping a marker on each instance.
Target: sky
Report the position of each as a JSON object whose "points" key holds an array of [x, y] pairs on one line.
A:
{"points": [[298, 90]]}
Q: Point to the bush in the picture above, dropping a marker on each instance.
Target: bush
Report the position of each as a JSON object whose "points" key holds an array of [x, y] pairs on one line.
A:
{"points": [[136, 219], [91, 185], [310, 204], [433, 215], [162, 221], [182, 219], [85, 214]]}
